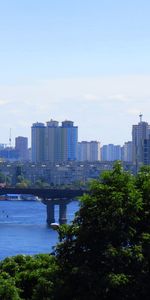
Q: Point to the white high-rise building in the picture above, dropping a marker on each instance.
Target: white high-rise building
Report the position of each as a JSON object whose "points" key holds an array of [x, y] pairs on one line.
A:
{"points": [[110, 152], [89, 151], [127, 151]]}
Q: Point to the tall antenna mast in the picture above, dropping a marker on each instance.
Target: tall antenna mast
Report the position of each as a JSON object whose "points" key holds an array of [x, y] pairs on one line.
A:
{"points": [[10, 138], [140, 115]]}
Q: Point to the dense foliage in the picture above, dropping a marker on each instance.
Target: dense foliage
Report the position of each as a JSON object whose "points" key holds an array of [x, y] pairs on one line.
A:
{"points": [[103, 254], [27, 277]]}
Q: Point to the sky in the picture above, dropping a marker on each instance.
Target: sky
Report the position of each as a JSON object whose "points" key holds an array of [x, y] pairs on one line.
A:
{"points": [[82, 60]]}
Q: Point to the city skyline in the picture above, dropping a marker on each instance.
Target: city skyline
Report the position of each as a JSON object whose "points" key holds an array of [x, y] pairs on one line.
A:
{"points": [[86, 61], [58, 142], [11, 143]]}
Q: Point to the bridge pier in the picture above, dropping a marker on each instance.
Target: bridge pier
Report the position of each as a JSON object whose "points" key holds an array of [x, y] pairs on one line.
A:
{"points": [[62, 213], [51, 211], [49, 197]]}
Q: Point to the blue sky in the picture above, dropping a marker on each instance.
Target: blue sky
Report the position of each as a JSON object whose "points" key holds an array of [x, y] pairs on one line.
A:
{"points": [[85, 60]]}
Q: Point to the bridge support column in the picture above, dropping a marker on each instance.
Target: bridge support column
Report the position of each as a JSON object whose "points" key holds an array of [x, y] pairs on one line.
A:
{"points": [[50, 212], [62, 213]]}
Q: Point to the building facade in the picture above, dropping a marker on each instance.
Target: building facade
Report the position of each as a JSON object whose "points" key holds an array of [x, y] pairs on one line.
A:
{"points": [[127, 151], [21, 146], [89, 151], [38, 142], [111, 152], [147, 151], [54, 143], [140, 133]]}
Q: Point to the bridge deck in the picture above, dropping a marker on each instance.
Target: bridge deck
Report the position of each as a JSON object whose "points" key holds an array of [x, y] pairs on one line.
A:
{"points": [[44, 193]]}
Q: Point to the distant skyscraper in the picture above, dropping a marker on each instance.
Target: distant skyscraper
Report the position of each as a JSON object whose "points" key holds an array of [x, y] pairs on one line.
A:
{"points": [[21, 146], [127, 151], [54, 143], [117, 152], [38, 142], [111, 152], [83, 151], [104, 155], [89, 151], [69, 141], [147, 151], [94, 151], [140, 133]]}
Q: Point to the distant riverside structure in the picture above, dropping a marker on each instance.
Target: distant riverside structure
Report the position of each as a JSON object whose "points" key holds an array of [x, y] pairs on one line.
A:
{"points": [[70, 173], [89, 151], [21, 146], [53, 142], [141, 143], [111, 152]]}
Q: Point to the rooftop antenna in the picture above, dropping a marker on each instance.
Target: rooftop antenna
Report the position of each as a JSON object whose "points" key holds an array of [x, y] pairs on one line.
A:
{"points": [[10, 138], [140, 115]]}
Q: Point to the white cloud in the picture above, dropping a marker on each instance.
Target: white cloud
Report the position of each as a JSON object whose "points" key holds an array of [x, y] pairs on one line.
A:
{"points": [[104, 108], [3, 102], [91, 97], [120, 97], [134, 111]]}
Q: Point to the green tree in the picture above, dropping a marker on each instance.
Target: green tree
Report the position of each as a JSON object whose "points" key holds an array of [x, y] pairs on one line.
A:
{"points": [[40, 183], [8, 290], [104, 254], [2, 178], [8, 180], [22, 182], [29, 277], [101, 255], [143, 185]]}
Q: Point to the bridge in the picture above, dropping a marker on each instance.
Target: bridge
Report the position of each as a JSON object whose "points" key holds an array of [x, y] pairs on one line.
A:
{"points": [[49, 197]]}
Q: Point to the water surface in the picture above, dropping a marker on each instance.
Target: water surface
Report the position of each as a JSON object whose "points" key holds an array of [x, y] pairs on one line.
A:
{"points": [[23, 228]]}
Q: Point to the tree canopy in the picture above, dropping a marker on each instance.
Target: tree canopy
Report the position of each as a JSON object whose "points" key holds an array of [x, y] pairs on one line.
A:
{"points": [[103, 254]]}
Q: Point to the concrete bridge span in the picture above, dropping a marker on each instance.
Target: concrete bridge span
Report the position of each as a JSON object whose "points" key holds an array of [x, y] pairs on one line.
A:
{"points": [[49, 197]]}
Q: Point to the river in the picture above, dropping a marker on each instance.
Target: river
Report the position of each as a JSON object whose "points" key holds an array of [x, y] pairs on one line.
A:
{"points": [[23, 228]]}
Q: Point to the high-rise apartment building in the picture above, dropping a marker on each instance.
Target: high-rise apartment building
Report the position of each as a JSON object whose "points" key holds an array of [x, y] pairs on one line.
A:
{"points": [[140, 133], [21, 146], [147, 151], [89, 151], [69, 141], [83, 151], [54, 143], [111, 152], [127, 151], [95, 151], [38, 142]]}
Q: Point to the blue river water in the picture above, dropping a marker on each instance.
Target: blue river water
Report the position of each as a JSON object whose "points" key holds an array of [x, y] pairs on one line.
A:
{"points": [[23, 228]]}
